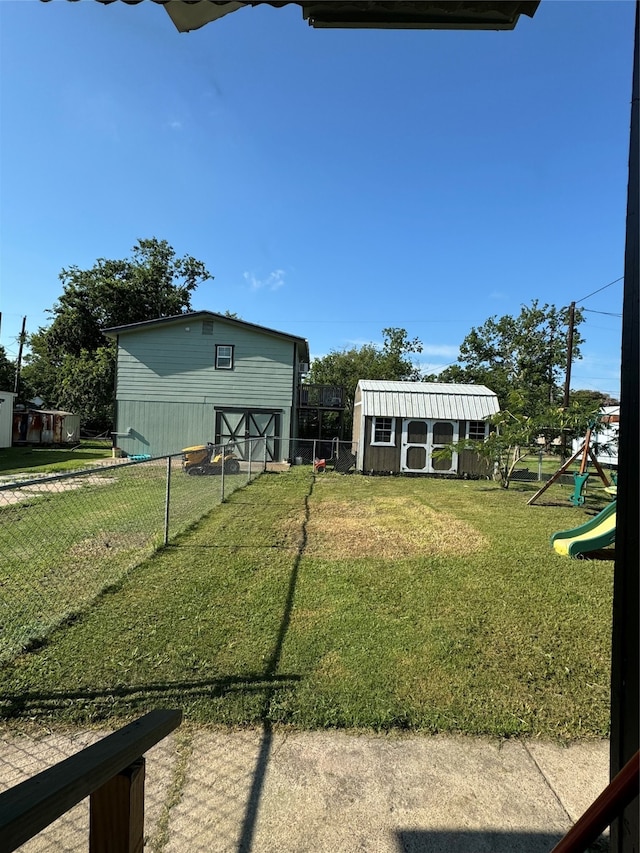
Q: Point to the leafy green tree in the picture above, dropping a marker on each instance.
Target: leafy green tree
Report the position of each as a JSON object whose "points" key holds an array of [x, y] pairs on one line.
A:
{"points": [[526, 354], [71, 364], [590, 398], [514, 434], [345, 367], [7, 371]]}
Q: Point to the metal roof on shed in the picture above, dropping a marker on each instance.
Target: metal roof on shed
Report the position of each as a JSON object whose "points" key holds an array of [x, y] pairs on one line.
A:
{"points": [[426, 400]]}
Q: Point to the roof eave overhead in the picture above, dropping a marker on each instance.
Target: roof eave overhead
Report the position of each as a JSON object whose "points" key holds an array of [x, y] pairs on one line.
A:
{"points": [[361, 14]]}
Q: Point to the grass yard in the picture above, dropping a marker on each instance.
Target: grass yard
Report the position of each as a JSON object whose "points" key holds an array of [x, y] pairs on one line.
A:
{"points": [[51, 460], [347, 601], [65, 541]]}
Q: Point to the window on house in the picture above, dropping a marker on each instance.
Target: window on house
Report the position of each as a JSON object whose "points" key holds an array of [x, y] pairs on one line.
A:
{"points": [[383, 431], [207, 327], [224, 357], [477, 430]]}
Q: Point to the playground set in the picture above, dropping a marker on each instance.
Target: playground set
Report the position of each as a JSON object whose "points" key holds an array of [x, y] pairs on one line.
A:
{"points": [[599, 531]]}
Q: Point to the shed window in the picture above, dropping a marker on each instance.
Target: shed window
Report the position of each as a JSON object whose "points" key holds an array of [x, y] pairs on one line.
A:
{"points": [[224, 357], [477, 430], [383, 431]]}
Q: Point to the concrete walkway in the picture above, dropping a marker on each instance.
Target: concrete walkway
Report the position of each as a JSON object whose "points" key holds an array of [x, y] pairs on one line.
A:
{"points": [[258, 790]]}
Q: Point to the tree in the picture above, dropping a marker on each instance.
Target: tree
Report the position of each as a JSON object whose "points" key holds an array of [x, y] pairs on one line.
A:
{"points": [[526, 354], [71, 364], [7, 371], [345, 367]]}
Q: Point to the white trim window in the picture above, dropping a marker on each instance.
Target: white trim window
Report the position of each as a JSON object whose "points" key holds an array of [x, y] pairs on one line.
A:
{"points": [[477, 430], [224, 356], [383, 431]]}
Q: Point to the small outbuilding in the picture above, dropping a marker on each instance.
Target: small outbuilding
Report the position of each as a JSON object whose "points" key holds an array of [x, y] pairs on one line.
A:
{"points": [[6, 417], [45, 426], [398, 427]]}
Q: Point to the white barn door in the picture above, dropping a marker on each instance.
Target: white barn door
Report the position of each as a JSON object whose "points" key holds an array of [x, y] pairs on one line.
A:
{"points": [[420, 440]]}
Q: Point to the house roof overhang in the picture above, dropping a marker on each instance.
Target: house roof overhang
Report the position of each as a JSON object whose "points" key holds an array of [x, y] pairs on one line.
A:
{"points": [[359, 14], [190, 15]]}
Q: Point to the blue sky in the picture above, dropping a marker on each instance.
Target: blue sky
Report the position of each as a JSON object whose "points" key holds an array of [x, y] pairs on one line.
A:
{"points": [[334, 182]]}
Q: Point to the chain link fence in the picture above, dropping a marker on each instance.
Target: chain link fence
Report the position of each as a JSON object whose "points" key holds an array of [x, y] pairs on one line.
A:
{"points": [[67, 538], [331, 454]]}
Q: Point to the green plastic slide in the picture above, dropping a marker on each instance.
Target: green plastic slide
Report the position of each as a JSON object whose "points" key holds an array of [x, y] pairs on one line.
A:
{"points": [[598, 532]]}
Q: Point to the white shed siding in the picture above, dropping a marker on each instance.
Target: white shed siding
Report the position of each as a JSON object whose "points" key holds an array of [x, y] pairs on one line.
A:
{"points": [[6, 417]]}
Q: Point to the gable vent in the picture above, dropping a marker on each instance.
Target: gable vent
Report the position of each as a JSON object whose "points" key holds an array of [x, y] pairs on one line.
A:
{"points": [[207, 327]]}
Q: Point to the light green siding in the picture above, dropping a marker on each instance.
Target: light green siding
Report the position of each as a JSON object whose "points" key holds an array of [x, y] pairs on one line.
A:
{"points": [[168, 389], [160, 428], [169, 364]]}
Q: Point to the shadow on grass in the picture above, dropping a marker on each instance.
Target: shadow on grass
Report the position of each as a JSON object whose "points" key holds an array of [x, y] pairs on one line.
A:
{"points": [[262, 686], [249, 823], [604, 555], [27, 705]]}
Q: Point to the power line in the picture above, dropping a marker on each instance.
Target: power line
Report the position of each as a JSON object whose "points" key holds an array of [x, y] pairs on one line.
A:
{"points": [[606, 313], [604, 287]]}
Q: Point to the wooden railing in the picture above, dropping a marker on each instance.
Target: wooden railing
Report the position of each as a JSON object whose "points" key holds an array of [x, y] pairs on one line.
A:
{"points": [[111, 772], [618, 794]]}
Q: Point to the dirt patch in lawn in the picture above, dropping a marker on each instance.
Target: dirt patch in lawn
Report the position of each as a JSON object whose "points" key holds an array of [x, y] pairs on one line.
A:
{"points": [[387, 528], [25, 492], [108, 543]]}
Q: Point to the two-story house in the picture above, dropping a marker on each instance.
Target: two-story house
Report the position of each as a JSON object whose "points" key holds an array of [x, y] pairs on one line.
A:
{"points": [[203, 376]]}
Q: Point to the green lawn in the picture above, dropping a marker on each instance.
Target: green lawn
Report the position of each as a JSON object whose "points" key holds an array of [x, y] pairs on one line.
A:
{"points": [[347, 601], [65, 542], [51, 460]]}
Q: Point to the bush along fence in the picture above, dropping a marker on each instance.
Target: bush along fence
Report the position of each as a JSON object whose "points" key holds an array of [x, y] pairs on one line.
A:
{"points": [[64, 539]]}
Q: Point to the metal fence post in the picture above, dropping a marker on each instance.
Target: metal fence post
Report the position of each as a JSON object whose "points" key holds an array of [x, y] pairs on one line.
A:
{"points": [[251, 443], [315, 456], [167, 501], [223, 450], [264, 467]]}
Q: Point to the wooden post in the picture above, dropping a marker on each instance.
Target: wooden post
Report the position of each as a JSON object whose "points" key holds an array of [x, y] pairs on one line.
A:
{"points": [[625, 665], [585, 452], [558, 474], [567, 378], [117, 813], [16, 382]]}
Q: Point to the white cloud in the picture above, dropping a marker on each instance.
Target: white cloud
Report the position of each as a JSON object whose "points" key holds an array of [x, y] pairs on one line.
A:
{"points": [[274, 281], [175, 124], [432, 367], [445, 350]]}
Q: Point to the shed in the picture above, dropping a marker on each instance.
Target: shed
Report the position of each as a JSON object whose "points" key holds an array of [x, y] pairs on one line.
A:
{"points": [[399, 426], [6, 417], [45, 426]]}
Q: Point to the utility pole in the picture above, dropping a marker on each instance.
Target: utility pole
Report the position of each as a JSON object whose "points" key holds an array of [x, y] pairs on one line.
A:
{"points": [[19, 361], [567, 376], [567, 379]]}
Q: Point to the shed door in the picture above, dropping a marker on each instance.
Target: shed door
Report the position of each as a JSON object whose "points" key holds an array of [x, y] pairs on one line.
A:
{"points": [[240, 425], [420, 440], [442, 434]]}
